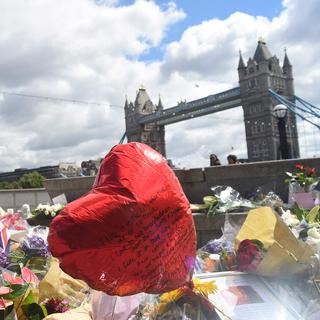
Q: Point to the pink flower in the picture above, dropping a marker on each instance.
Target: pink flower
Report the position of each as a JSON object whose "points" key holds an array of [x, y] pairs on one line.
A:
{"points": [[4, 304], [5, 290], [12, 279], [28, 276]]}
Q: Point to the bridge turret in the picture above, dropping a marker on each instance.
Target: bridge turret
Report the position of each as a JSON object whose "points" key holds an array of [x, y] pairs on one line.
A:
{"points": [[242, 69], [287, 71], [159, 105], [150, 134], [263, 73]]}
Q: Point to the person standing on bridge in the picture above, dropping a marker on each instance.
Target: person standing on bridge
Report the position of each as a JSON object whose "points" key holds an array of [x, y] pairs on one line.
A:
{"points": [[214, 160], [232, 159]]}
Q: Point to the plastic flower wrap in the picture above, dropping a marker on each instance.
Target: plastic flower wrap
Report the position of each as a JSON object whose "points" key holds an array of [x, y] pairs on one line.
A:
{"points": [[209, 256], [33, 251], [14, 221], [4, 261], [230, 200]]}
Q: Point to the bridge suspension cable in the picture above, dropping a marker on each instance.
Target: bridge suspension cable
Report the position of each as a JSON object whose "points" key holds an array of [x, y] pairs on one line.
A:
{"points": [[57, 99], [294, 108]]}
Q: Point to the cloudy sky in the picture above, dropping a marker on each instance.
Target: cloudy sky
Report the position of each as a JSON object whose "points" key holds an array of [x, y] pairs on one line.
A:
{"points": [[100, 51]]}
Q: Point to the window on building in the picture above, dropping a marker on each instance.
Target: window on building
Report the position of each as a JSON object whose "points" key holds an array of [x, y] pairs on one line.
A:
{"points": [[252, 83]]}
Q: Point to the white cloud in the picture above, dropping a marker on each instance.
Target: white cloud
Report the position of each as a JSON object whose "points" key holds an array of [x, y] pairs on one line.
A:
{"points": [[76, 49], [91, 50]]}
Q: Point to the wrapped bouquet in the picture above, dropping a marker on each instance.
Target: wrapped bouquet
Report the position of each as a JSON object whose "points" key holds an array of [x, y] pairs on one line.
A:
{"points": [[266, 246]]}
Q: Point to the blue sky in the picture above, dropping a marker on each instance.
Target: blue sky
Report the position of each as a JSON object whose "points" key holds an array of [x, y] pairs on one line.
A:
{"points": [[202, 10]]}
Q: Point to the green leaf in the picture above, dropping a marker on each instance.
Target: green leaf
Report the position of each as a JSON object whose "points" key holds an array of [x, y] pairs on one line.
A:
{"points": [[34, 311], [299, 212], [29, 298], [210, 200], [223, 253], [313, 215], [258, 243], [17, 291], [303, 234]]}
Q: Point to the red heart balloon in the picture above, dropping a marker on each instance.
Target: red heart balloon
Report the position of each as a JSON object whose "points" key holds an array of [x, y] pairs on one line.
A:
{"points": [[133, 232]]}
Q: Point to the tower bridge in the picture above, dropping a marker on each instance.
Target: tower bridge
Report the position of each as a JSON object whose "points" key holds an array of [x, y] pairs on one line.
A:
{"points": [[145, 121], [196, 108]]}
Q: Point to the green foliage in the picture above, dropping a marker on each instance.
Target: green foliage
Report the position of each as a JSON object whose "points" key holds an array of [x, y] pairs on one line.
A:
{"points": [[298, 211], [4, 185], [210, 203], [33, 310], [314, 215], [31, 180], [17, 291], [311, 216], [27, 181]]}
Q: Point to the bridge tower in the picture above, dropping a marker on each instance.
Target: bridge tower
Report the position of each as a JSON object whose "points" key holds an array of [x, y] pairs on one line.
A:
{"points": [[261, 73], [149, 133]]}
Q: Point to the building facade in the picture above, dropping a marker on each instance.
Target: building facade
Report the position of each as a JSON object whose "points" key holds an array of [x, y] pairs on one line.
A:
{"points": [[150, 134], [261, 73]]}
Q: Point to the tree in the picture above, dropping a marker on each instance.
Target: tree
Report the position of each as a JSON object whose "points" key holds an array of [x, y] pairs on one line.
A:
{"points": [[31, 180], [7, 185]]}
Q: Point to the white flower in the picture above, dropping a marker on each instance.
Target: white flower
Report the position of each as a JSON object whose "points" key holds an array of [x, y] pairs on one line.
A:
{"points": [[46, 212], [314, 233], [289, 219], [53, 214], [314, 244]]}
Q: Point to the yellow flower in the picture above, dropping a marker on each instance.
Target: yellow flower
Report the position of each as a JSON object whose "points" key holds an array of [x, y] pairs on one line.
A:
{"points": [[204, 287], [171, 296]]}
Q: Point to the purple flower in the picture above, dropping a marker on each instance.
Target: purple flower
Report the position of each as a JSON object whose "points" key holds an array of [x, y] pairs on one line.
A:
{"points": [[216, 246], [4, 261], [35, 246], [56, 305]]}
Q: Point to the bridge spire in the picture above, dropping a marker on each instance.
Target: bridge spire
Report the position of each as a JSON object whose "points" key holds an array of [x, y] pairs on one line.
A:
{"points": [[241, 64], [262, 52], [126, 105], [160, 105], [286, 61]]}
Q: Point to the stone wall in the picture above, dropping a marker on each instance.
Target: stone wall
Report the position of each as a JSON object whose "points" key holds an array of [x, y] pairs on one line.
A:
{"points": [[246, 177], [196, 183], [16, 198]]}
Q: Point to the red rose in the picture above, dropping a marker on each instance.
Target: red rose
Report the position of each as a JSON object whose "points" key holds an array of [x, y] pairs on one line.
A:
{"points": [[244, 258], [249, 255], [311, 171], [299, 166]]}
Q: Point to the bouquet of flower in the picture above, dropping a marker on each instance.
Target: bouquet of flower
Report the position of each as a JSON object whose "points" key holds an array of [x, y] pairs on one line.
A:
{"points": [[182, 302], [277, 253], [304, 178], [15, 293], [47, 211], [43, 214]]}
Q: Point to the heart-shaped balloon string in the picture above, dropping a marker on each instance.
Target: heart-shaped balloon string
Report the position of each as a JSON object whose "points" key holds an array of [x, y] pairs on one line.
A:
{"points": [[133, 232]]}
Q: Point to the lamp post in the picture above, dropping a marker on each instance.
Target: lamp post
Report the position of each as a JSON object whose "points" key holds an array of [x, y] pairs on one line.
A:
{"points": [[280, 112]]}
